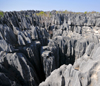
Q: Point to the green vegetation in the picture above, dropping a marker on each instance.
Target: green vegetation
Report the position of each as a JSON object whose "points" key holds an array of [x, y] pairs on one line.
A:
{"points": [[90, 12], [46, 14], [85, 12], [27, 15], [65, 11], [49, 13], [56, 12], [40, 13], [59, 12], [1, 14], [94, 12]]}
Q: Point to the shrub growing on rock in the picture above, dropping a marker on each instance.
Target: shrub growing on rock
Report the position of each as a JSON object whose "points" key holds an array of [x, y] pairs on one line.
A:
{"points": [[1, 14]]}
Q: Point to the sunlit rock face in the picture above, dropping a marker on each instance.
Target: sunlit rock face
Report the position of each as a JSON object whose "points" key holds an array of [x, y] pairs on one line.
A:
{"points": [[49, 49]]}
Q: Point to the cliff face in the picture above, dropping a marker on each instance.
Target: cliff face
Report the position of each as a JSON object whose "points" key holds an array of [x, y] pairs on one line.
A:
{"points": [[59, 50]]}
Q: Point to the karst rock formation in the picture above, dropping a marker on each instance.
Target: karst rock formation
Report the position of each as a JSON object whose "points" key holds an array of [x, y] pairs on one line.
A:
{"points": [[62, 49]]}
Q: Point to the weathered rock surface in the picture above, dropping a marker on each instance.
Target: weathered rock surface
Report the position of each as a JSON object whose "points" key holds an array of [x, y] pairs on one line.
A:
{"points": [[85, 72], [56, 50]]}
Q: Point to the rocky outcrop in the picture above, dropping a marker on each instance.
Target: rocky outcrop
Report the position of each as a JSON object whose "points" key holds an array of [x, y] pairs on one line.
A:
{"points": [[15, 66], [85, 71], [56, 50], [64, 76]]}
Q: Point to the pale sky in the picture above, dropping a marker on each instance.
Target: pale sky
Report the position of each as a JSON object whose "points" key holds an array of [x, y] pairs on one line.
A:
{"points": [[48, 5]]}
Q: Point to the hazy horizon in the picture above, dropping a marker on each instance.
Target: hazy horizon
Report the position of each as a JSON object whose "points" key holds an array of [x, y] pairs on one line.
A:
{"points": [[46, 5]]}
